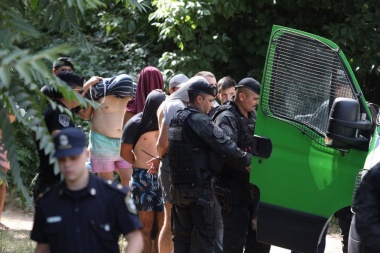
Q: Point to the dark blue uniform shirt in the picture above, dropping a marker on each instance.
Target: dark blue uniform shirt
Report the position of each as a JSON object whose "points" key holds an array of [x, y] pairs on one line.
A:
{"points": [[89, 220], [54, 120]]}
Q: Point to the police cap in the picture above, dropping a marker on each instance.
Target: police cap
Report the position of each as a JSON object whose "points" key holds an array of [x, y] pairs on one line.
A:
{"points": [[63, 61], [249, 83], [69, 142], [200, 84]]}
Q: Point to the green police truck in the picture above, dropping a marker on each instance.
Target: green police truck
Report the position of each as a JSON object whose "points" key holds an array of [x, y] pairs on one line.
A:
{"points": [[314, 132]]}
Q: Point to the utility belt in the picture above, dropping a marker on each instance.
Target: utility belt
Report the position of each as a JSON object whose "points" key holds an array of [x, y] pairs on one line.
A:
{"points": [[203, 185], [186, 194]]}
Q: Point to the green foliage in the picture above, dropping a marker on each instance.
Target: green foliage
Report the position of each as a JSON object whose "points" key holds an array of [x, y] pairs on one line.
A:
{"points": [[22, 72], [26, 154], [121, 39], [207, 36], [231, 37]]}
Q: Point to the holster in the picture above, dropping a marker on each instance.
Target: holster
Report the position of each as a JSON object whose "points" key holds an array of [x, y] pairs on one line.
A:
{"points": [[255, 199], [224, 197], [185, 195], [208, 210]]}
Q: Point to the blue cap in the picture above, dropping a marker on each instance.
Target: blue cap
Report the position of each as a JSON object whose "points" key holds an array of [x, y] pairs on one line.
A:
{"points": [[69, 142]]}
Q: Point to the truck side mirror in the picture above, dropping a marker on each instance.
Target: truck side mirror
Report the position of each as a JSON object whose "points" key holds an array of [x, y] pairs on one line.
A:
{"points": [[344, 123]]}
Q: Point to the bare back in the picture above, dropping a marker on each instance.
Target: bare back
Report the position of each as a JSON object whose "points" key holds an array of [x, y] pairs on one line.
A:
{"points": [[107, 121], [146, 142]]}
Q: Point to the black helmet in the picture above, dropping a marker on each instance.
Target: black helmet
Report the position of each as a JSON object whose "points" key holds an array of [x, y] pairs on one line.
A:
{"points": [[200, 84]]}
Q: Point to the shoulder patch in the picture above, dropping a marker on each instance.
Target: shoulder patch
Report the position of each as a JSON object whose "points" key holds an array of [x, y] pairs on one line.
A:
{"points": [[43, 193], [217, 132], [64, 120], [130, 204], [115, 186], [227, 130]]}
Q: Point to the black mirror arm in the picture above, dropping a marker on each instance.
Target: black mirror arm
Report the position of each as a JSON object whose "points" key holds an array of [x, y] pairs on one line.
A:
{"points": [[362, 125], [358, 142]]}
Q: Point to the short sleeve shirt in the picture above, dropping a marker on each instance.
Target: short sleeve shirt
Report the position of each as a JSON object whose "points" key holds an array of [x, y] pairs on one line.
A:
{"points": [[130, 129], [57, 120], [171, 109], [89, 220]]}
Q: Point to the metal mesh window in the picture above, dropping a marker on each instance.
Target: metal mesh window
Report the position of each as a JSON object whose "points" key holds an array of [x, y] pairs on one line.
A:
{"points": [[305, 77]]}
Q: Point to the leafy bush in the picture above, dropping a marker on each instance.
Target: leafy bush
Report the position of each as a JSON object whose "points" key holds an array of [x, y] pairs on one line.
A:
{"points": [[26, 153]]}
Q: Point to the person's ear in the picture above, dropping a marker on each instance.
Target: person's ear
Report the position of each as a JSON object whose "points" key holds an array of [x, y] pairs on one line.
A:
{"points": [[241, 96], [199, 99], [219, 96]]}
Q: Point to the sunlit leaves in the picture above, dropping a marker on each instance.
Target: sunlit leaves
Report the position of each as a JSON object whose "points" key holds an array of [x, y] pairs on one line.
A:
{"points": [[23, 71], [5, 76]]}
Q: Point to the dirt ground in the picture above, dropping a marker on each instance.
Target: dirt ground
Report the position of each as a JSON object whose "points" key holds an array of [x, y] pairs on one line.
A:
{"points": [[333, 245], [17, 219]]}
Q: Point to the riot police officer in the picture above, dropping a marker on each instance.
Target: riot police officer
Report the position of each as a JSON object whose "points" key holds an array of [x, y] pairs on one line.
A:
{"points": [[233, 190], [196, 150]]}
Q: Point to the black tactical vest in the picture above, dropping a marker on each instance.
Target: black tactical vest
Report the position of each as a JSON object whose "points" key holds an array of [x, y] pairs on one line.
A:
{"points": [[188, 154], [245, 128]]}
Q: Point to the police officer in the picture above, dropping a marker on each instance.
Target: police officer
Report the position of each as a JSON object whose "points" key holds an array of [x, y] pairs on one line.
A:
{"points": [[196, 151], [233, 190], [56, 119], [84, 213], [366, 207]]}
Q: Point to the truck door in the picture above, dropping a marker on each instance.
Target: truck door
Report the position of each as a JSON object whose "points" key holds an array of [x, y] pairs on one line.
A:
{"points": [[304, 181]]}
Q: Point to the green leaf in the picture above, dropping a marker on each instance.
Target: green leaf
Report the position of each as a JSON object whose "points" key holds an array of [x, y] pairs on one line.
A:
{"points": [[13, 56], [80, 4], [20, 24], [21, 96], [48, 13], [34, 4], [5, 76]]}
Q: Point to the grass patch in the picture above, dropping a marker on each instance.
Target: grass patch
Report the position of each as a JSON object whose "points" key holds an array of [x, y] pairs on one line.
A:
{"points": [[15, 241], [18, 241]]}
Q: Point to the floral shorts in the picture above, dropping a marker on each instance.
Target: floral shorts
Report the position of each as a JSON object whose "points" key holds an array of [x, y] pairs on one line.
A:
{"points": [[146, 191]]}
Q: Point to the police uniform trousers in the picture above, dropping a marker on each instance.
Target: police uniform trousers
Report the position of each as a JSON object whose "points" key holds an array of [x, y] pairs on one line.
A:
{"points": [[238, 232], [344, 220], [193, 225]]}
